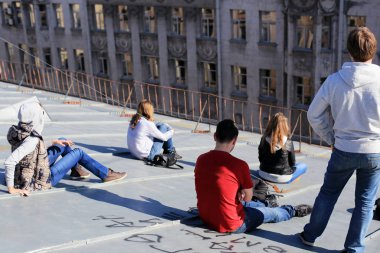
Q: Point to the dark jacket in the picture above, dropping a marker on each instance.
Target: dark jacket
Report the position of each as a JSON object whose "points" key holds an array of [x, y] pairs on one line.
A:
{"points": [[281, 162]]}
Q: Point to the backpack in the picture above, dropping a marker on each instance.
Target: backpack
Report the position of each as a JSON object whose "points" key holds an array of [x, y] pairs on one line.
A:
{"points": [[377, 210], [164, 160], [261, 193]]}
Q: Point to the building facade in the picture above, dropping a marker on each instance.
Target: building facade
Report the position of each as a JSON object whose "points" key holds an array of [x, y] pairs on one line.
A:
{"points": [[274, 52]]}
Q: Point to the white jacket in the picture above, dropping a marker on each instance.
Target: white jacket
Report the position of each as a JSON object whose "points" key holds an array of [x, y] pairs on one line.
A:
{"points": [[140, 138], [353, 94]]}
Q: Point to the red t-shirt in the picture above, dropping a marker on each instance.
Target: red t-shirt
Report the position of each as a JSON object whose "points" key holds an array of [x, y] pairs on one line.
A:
{"points": [[218, 178]]}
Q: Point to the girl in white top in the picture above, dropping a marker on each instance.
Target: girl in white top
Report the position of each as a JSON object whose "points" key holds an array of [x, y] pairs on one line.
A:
{"points": [[146, 139]]}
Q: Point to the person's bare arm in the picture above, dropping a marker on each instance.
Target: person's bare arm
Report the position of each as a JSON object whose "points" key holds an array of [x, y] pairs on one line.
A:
{"points": [[13, 190], [63, 142], [245, 195]]}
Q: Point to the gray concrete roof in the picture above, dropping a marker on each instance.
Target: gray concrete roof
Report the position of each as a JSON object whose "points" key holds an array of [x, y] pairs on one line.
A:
{"points": [[149, 211]]}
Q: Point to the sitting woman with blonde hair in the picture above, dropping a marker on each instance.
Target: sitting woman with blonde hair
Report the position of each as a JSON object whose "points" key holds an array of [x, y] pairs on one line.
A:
{"points": [[276, 153], [145, 138]]}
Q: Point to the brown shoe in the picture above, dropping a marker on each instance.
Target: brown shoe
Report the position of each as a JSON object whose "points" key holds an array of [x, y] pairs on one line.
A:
{"points": [[114, 176], [79, 173]]}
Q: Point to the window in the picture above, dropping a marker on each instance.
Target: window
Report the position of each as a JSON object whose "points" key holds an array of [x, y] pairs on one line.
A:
{"points": [[303, 90], [43, 16], [209, 75], [103, 64], [10, 52], [153, 71], [47, 56], [304, 32], [79, 60], [149, 20], [239, 78], [178, 26], [127, 65], [75, 16], [34, 57], [268, 26], [59, 15], [180, 71], [99, 16], [123, 18], [326, 33], [23, 51], [30, 15], [208, 25], [238, 24], [64, 59], [18, 13], [267, 83], [355, 21]]}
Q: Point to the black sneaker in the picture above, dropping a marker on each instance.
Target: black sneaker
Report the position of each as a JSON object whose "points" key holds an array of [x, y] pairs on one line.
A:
{"points": [[302, 238], [302, 210], [173, 153], [272, 200]]}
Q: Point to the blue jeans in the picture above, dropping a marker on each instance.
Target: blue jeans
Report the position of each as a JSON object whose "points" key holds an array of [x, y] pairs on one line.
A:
{"points": [[256, 213], [339, 170], [70, 158], [158, 145]]}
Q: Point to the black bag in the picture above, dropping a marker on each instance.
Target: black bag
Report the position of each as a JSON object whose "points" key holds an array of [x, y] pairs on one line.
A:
{"points": [[377, 210], [261, 193], [165, 160]]}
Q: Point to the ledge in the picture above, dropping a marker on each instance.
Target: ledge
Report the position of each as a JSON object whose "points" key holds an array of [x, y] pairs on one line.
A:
{"points": [[238, 41], [241, 95], [301, 107], [267, 44], [59, 29], [126, 78], [267, 100], [302, 50], [76, 30], [180, 86], [209, 90]]}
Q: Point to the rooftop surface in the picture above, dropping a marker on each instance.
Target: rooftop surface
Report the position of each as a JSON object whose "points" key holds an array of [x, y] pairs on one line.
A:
{"points": [[152, 209]]}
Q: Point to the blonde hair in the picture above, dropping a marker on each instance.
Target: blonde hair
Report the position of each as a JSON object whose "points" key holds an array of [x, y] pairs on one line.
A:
{"points": [[144, 109], [277, 129]]}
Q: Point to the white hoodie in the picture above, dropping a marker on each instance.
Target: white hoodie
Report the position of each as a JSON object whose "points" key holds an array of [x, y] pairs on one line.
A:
{"points": [[353, 94]]}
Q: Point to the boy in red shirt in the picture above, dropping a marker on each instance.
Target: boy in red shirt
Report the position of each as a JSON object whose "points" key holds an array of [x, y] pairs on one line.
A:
{"points": [[223, 184]]}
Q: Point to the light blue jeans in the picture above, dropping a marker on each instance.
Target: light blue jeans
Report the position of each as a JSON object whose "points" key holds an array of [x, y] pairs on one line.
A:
{"points": [[70, 158], [256, 213], [158, 145], [339, 170]]}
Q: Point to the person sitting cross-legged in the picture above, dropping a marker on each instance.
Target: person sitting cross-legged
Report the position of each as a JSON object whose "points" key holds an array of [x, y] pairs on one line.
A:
{"points": [[33, 167], [224, 189]]}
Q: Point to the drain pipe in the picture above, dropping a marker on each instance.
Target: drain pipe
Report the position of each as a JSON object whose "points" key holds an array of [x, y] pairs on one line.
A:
{"points": [[219, 58], [340, 34]]}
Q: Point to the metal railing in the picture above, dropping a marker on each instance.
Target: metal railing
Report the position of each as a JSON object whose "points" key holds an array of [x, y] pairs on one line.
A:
{"points": [[181, 103]]}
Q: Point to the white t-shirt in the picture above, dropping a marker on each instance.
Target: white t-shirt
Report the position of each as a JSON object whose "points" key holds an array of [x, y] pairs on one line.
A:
{"points": [[140, 139]]}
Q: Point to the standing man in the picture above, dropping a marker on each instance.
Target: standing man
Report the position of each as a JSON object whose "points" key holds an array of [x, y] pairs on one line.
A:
{"points": [[223, 182], [353, 94]]}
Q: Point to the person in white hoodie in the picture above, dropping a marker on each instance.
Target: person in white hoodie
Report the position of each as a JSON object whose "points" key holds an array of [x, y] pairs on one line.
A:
{"points": [[33, 167], [146, 139], [352, 97]]}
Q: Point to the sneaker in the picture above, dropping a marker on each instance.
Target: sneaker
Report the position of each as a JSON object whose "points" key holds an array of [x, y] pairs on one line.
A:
{"points": [[272, 200], [174, 153], [302, 238], [114, 176], [79, 173], [302, 210]]}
